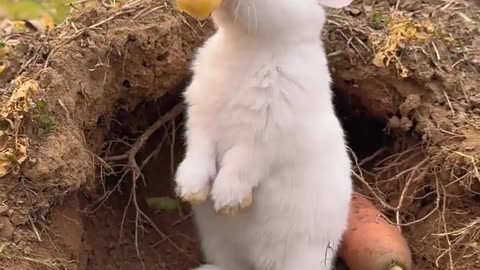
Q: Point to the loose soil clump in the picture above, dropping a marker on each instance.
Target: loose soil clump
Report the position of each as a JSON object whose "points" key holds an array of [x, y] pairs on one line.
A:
{"points": [[91, 118]]}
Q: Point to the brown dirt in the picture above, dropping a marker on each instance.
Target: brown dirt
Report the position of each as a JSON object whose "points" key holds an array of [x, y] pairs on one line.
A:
{"points": [[426, 97], [176, 249], [107, 75]]}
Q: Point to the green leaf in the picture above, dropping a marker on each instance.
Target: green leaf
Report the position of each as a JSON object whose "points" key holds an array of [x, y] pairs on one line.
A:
{"points": [[41, 105], [162, 203], [45, 122]]}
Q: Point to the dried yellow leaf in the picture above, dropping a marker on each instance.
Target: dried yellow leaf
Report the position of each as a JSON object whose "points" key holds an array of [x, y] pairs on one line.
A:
{"points": [[7, 161], [13, 147], [4, 168], [19, 26], [401, 31], [11, 158], [21, 153], [379, 60], [404, 72], [20, 99]]}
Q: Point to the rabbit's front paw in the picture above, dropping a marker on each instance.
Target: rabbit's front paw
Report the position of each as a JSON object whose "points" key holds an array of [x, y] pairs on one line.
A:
{"points": [[193, 180], [230, 194]]}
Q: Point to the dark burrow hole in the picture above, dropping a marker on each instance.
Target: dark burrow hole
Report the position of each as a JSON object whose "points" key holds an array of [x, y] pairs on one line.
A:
{"points": [[365, 135], [171, 243]]}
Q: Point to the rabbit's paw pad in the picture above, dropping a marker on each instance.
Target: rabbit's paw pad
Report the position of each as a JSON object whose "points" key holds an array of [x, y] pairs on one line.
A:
{"points": [[233, 209], [193, 180], [195, 197]]}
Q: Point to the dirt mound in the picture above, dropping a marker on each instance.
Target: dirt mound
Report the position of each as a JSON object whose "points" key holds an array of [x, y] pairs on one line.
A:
{"points": [[70, 85], [414, 65], [93, 105]]}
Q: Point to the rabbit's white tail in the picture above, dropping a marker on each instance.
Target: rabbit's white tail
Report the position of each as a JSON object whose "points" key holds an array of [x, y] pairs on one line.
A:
{"points": [[208, 267]]}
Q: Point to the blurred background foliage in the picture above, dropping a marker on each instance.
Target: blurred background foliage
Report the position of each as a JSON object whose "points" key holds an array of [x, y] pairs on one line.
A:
{"points": [[49, 12]]}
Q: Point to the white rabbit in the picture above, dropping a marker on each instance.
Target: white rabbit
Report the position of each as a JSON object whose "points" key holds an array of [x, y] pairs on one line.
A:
{"points": [[261, 125]]}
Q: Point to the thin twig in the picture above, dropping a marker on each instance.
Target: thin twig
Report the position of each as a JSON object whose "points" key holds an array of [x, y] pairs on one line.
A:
{"points": [[131, 154], [136, 172]]}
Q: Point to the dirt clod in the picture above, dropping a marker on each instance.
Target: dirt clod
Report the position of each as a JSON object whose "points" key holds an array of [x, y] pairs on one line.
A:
{"points": [[411, 103]]}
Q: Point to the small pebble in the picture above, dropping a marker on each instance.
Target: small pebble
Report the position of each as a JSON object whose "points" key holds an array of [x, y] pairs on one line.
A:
{"points": [[27, 251], [354, 11]]}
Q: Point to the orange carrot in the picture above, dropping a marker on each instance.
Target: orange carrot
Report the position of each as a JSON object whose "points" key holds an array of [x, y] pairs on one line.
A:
{"points": [[371, 243]]}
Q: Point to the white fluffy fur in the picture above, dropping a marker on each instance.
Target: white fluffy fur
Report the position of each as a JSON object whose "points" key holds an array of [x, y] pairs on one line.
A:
{"points": [[261, 119]]}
